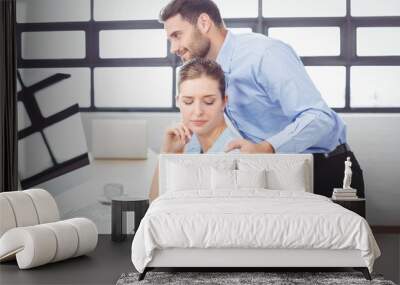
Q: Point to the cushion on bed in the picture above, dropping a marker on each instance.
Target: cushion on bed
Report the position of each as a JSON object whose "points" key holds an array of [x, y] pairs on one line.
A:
{"points": [[292, 178], [237, 179], [189, 174], [251, 178], [287, 174], [223, 179]]}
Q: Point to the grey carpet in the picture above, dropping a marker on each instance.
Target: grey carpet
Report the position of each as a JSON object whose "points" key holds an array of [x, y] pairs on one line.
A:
{"points": [[269, 278]]}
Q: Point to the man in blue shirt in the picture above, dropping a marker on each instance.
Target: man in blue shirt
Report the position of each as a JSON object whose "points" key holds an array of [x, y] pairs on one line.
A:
{"points": [[272, 103]]}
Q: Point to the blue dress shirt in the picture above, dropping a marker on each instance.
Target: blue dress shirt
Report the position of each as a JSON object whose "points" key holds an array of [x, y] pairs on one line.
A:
{"points": [[272, 98], [219, 146]]}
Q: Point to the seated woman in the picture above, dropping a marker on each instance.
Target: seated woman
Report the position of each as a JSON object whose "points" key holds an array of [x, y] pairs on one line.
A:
{"points": [[202, 102]]}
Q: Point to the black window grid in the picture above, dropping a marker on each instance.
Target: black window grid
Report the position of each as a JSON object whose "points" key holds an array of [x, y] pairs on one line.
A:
{"points": [[347, 57]]}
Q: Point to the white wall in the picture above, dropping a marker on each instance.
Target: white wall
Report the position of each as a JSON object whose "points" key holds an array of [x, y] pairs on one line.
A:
{"points": [[375, 138]]}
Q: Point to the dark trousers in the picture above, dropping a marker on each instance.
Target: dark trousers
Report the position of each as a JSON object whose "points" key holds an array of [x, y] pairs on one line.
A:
{"points": [[329, 173]]}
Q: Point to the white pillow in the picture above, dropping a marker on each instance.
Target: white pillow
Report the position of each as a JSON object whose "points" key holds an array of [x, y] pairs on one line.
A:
{"points": [[223, 179], [292, 178], [282, 174], [182, 178], [226, 179], [251, 178], [187, 174]]}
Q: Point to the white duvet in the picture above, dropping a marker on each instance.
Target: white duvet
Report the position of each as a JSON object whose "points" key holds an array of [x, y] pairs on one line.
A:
{"points": [[250, 219]]}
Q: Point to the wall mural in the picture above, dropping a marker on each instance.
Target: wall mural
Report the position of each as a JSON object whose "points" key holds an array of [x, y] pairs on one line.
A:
{"points": [[60, 71], [82, 56], [41, 157]]}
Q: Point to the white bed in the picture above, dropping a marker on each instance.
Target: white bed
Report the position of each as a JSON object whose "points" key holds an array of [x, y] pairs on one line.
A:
{"points": [[247, 211]]}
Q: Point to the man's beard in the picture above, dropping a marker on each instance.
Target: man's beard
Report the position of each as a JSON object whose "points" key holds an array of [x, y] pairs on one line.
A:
{"points": [[200, 47]]}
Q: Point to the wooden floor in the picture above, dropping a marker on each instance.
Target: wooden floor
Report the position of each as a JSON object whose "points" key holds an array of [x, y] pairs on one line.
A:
{"points": [[103, 266]]}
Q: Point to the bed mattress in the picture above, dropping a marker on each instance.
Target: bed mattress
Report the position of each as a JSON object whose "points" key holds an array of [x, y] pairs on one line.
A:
{"points": [[250, 219]]}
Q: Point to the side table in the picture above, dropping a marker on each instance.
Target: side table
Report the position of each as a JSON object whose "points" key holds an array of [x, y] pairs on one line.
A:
{"points": [[119, 207], [355, 205]]}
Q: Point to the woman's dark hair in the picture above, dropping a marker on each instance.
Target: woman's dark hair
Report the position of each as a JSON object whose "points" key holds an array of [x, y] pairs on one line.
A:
{"points": [[199, 67], [190, 10]]}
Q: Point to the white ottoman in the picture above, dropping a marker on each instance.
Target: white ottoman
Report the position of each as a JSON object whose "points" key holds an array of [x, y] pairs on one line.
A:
{"points": [[30, 230]]}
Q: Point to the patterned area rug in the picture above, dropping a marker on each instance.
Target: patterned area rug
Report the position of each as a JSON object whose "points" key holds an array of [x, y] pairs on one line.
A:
{"points": [[230, 278]]}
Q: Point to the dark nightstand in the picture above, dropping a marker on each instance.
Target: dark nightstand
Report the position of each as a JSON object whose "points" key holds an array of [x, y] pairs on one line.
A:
{"points": [[119, 207], [355, 205]]}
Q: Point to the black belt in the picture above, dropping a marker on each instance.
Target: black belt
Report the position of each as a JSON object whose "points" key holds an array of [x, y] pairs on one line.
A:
{"points": [[340, 149]]}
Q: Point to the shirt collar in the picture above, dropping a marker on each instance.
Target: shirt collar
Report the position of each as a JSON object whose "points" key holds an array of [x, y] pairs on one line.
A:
{"points": [[218, 146], [224, 57]]}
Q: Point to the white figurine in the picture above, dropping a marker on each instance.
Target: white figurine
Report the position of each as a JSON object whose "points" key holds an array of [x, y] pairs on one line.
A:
{"points": [[347, 174]]}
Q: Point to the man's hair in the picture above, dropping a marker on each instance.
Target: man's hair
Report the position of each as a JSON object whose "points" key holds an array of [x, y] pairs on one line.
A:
{"points": [[199, 67], [190, 10]]}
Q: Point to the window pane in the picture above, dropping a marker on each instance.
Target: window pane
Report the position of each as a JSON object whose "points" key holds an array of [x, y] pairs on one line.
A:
{"points": [[302, 8], [379, 41], [33, 156], [375, 7], [61, 132], [63, 94], [316, 41], [375, 86], [53, 45], [237, 9], [119, 10], [23, 118], [140, 87], [44, 11], [331, 83], [133, 43]]}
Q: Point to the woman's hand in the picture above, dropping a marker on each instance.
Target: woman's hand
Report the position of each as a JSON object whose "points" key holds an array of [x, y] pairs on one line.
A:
{"points": [[176, 138]]}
